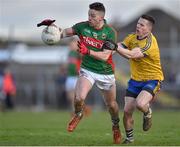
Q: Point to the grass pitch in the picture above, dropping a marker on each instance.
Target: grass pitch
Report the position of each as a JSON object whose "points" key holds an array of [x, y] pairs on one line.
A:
{"points": [[49, 129]]}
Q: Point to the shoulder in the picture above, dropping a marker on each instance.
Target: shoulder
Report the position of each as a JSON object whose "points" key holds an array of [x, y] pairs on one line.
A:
{"points": [[111, 32], [153, 38], [110, 28], [83, 23], [79, 26], [131, 35]]}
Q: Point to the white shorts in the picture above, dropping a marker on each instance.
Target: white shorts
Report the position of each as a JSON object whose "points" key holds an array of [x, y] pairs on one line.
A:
{"points": [[102, 81], [70, 83]]}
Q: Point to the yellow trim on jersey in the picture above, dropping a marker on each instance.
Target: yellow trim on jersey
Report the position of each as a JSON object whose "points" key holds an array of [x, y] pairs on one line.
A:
{"points": [[148, 43], [157, 88], [148, 67]]}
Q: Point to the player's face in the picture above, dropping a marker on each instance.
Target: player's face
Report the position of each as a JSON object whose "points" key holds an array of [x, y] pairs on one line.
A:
{"points": [[143, 27], [94, 17]]}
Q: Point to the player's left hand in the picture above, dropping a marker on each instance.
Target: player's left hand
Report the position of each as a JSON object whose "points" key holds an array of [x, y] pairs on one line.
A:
{"points": [[109, 45], [46, 22], [83, 49]]}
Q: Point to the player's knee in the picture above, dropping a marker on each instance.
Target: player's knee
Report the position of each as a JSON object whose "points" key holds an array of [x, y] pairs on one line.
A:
{"points": [[76, 99], [112, 105], [127, 111], [140, 105], [80, 96]]}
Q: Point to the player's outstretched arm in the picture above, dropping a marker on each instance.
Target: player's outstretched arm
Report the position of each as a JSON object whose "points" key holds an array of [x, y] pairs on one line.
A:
{"points": [[68, 32], [124, 51], [135, 53], [130, 54]]}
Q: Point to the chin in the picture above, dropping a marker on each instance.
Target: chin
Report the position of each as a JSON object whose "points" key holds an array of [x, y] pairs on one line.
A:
{"points": [[138, 34], [90, 24]]}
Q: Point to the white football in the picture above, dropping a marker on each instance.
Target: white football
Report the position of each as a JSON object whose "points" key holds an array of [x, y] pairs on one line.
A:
{"points": [[51, 35]]}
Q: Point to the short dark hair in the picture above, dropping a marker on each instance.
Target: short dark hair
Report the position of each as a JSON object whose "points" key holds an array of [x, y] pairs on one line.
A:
{"points": [[149, 18], [97, 6]]}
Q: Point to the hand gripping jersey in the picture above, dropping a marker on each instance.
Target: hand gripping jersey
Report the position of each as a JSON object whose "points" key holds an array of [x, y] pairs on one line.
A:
{"points": [[148, 67], [93, 39]]}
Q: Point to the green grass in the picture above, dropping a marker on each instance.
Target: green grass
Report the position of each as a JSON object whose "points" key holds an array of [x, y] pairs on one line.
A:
{"points": [[49, 129]]}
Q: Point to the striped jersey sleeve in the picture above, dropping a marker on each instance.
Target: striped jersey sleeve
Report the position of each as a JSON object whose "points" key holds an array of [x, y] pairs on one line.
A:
{"points": [[147, 45]]}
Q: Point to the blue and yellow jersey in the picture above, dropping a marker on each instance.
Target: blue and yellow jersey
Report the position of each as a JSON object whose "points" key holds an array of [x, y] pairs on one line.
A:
{"points": [[148, 67]]}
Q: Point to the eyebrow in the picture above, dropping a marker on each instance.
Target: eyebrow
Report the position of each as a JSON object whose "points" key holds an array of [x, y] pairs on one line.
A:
{"points": [[141, 24]]}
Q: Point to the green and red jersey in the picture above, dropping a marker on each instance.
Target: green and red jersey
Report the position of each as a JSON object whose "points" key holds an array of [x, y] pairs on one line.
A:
{"points": [[74, 61], [94, 39]]}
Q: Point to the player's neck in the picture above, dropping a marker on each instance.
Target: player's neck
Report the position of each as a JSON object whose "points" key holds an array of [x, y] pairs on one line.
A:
{"points": [[143, 36]]}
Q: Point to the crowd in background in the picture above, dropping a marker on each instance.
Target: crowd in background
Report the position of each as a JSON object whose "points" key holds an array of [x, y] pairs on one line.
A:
{"points": [[7, 90]]}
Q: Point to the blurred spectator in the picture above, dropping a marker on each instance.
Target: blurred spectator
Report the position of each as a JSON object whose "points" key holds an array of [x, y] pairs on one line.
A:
{"points": [[74, 61], [2, 97], [73, 67], [9, 89], [178, 79], [60, 81], [172, 77]]}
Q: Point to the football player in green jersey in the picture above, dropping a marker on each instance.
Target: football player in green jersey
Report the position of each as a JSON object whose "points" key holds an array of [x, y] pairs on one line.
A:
{"points": [[73, 67], [96, 67]]}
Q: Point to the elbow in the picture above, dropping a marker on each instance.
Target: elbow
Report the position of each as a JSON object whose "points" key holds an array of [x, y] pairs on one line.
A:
{"points": [[106, 58]]}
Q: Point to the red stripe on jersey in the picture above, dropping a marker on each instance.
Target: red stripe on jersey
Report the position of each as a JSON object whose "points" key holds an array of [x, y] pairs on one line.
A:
{"points": [[88, 41], [110, 61], [91, 42]]}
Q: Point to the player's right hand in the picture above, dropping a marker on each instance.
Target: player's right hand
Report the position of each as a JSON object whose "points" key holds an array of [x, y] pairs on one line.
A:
{"points": [[46, 22], [83, 49]]}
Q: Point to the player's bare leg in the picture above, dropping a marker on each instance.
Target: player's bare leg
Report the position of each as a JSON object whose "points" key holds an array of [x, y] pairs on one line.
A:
{"points": [[143, 100], [83, 86], [70, 95], [130, 105], [112, 105]]}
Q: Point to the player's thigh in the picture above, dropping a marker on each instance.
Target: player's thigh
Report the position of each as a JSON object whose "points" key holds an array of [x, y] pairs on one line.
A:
{"points": [[144, 98], [83, 86], [129, 104], [109, 95]]}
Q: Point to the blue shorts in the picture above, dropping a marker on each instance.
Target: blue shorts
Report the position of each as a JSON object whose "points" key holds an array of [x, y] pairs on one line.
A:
{"points": [[135, 87]]}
